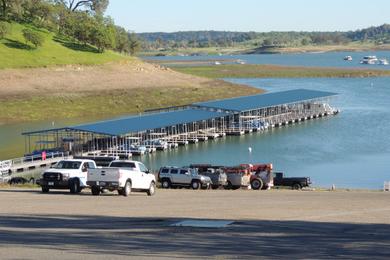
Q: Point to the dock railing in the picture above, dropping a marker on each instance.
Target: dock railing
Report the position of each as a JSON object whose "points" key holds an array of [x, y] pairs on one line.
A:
{"points": [[26, 162], [38, 157]]}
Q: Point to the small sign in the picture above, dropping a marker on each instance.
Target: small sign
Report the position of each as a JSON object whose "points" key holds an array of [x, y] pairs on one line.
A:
{"points": [[5, 166]]}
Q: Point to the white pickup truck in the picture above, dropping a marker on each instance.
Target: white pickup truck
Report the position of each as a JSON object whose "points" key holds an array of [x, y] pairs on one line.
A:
{"points": [[67, 174], [123, 176]]}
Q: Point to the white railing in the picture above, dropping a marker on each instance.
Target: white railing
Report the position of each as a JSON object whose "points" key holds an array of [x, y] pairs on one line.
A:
{"points": [[38, 158]]}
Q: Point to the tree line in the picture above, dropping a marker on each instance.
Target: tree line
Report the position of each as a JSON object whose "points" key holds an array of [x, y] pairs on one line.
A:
{"points": [[201, 39], [80, 20]]}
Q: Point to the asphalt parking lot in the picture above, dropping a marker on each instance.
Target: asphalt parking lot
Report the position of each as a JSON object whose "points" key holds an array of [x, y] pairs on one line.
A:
{"points": [[269, 224]]}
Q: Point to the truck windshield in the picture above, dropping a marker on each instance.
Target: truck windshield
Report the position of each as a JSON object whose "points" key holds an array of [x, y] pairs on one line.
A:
{"points": [[123, 164], [67, 165]]}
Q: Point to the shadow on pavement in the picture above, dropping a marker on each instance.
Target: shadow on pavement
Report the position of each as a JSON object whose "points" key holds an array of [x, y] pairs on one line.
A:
{"points": [[155, 237]]}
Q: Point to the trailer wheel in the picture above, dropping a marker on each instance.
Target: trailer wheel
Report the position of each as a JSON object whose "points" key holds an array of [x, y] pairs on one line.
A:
{"points": [[257, 184], [95, 190], [127, 189], [152, 189], [45, 189], [296, 186]]}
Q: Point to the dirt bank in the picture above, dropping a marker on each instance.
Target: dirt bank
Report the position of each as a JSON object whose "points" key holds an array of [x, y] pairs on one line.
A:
{"points": [[79, 79], [102, 91]]}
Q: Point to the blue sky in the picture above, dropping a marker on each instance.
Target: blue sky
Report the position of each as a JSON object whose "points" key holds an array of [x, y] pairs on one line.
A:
{"points": [[248, 15]]}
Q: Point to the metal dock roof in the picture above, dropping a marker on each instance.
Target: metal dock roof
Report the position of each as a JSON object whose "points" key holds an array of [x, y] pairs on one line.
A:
{"points": [[133, 124], [247, 103]]}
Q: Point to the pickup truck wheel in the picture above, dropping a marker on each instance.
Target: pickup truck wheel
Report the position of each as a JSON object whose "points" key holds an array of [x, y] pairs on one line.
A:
{"points": [[74, 186], [45, 189], [166, 184], [195, 185], [257, 184], [296, 186], [127, 189], [152, 189], [95, 190]]}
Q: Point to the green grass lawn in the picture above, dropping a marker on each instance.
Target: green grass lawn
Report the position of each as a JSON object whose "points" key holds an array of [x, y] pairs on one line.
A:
{"points": [[15, 53], [271, 71]]}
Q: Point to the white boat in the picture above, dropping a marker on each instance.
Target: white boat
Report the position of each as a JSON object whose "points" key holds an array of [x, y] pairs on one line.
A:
{"points": [[217, 63], [348, 58], [371, 60], [383, 62], [240, 62]]}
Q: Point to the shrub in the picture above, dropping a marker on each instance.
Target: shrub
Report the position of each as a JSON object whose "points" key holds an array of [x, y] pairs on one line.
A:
{"points": [[4, 29], [31, 36]]}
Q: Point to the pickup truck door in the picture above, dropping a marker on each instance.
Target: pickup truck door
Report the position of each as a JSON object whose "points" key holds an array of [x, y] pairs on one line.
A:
{"points": [[278, 178], [83, 174], [144, 177]]}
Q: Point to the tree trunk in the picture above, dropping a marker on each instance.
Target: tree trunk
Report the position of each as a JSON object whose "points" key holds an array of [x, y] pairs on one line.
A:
{"points": [[4, 9]]}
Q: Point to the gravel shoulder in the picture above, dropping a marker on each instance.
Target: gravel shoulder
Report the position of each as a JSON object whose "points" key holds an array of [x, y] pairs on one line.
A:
{"points": [[271, 224]]}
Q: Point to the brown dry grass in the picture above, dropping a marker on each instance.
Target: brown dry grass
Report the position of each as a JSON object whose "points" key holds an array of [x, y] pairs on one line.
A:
{"points": [[77, 78]]}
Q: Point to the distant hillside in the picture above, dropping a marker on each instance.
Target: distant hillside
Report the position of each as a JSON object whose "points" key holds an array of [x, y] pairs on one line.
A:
{"points": [[379, 33], [16, 53], [202, 39], [198, 37]]}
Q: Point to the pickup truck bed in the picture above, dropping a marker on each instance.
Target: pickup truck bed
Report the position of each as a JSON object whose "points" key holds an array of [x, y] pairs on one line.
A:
{"points": [[123, 176]]}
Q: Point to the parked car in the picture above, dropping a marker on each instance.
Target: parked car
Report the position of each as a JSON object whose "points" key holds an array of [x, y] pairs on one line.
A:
{"points": [[182, 177], [216, 173], [67, 174], [296, 183], [123, 176]]}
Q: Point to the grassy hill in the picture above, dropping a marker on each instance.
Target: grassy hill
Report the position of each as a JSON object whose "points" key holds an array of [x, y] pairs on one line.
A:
{"points": [[15, 53]]}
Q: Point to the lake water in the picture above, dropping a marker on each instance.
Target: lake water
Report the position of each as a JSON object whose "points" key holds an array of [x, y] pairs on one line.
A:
{"points": [[349, 150], [326, 59]]}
